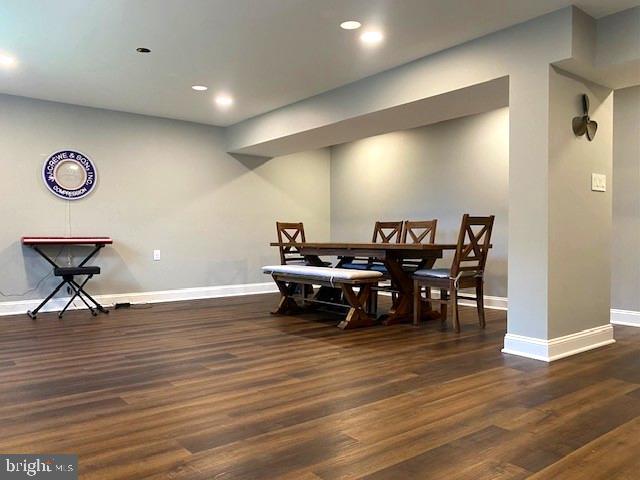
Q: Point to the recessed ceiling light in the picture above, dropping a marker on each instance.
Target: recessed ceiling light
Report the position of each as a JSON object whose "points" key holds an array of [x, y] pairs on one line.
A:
{"points": [[224, 100], [143, 50], [7, 61], [350, 25], [199, 88], [371, 37]]}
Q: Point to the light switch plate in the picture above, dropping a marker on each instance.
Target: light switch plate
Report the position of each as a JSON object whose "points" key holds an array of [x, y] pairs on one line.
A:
{"points": [[156, 255], [598, 182]]}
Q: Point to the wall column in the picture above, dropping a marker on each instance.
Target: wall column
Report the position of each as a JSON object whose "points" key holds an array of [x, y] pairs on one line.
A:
{"points": [[559, 230]]}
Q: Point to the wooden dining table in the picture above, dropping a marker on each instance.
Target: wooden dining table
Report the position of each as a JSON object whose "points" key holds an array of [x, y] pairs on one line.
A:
{"points": [[392, 255]]}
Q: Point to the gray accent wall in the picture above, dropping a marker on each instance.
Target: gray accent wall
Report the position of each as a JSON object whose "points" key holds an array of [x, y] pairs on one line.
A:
{"points": [[170, 185], [163, 184], [439, 171], [625, 291], [579, 219]]}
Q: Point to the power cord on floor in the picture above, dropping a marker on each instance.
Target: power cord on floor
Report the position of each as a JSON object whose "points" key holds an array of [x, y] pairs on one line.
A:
{"points": [[33, 289]]}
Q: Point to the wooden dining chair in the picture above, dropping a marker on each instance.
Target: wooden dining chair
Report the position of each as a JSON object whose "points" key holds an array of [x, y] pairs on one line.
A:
{"points": [[387, 232], [414, 231], [290, 232], [418, 231], [467, 271], [383, 232]]}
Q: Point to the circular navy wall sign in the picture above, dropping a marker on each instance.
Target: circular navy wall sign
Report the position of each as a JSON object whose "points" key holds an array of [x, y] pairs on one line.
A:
{"points": [[69, 174]]}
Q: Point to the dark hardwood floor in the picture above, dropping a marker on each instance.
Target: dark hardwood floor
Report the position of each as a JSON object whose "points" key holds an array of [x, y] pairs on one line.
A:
{"points": [[220, 389]]}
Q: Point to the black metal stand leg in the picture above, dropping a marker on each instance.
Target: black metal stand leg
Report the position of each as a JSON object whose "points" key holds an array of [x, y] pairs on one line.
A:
{"points": [[78, 288], [73, 297], [34, 313], [85, 294], [81, 297], [77, 292]]}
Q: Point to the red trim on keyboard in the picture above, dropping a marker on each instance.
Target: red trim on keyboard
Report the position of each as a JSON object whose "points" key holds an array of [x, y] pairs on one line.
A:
{"points": [[67, 240]]}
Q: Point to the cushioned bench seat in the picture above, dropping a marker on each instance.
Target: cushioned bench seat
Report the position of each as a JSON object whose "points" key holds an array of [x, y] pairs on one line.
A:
{"points": [[343, 279], [322, 272]]}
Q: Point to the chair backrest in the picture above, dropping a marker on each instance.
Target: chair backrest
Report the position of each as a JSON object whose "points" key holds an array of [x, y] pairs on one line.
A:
{"points": [[387, 232], [419, 231], [474, 241], [290, 232]]}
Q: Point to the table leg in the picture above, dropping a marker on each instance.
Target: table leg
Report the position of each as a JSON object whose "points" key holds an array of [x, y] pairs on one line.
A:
{"points": [[402, 308]]}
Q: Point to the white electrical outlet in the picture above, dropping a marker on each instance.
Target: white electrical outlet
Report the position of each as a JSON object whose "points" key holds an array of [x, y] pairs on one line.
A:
{"points": [[598, 182], [156, 255]]}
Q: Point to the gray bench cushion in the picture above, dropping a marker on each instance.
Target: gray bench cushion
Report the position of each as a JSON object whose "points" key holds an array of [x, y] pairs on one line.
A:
{"points": [[439, 273], [321, 272], [378, 267], [355, 266]]}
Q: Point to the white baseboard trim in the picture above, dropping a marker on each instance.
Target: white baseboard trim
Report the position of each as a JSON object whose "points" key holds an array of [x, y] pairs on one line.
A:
{"points": [[195, 293], [492, 303], [628, 318], [560, 347]]}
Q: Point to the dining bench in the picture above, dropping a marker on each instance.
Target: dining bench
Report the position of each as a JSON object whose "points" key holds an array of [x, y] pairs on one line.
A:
{"points": [[288, 276]]}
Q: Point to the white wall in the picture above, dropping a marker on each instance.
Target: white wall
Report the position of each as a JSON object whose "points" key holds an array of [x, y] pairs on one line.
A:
{"points": [[439, 171], [162, 184]]}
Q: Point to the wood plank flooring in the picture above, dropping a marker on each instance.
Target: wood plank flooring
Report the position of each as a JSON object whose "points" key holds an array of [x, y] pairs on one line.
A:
{"points": [[220, 389]]}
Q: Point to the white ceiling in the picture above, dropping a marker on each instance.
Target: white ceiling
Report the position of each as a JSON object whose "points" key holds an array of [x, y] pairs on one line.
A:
{"points": [[266, 53]]}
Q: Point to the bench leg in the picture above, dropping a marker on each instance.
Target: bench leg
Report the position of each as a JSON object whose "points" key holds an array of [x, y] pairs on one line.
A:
{"points": [[287, 304], [357, 315]]}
